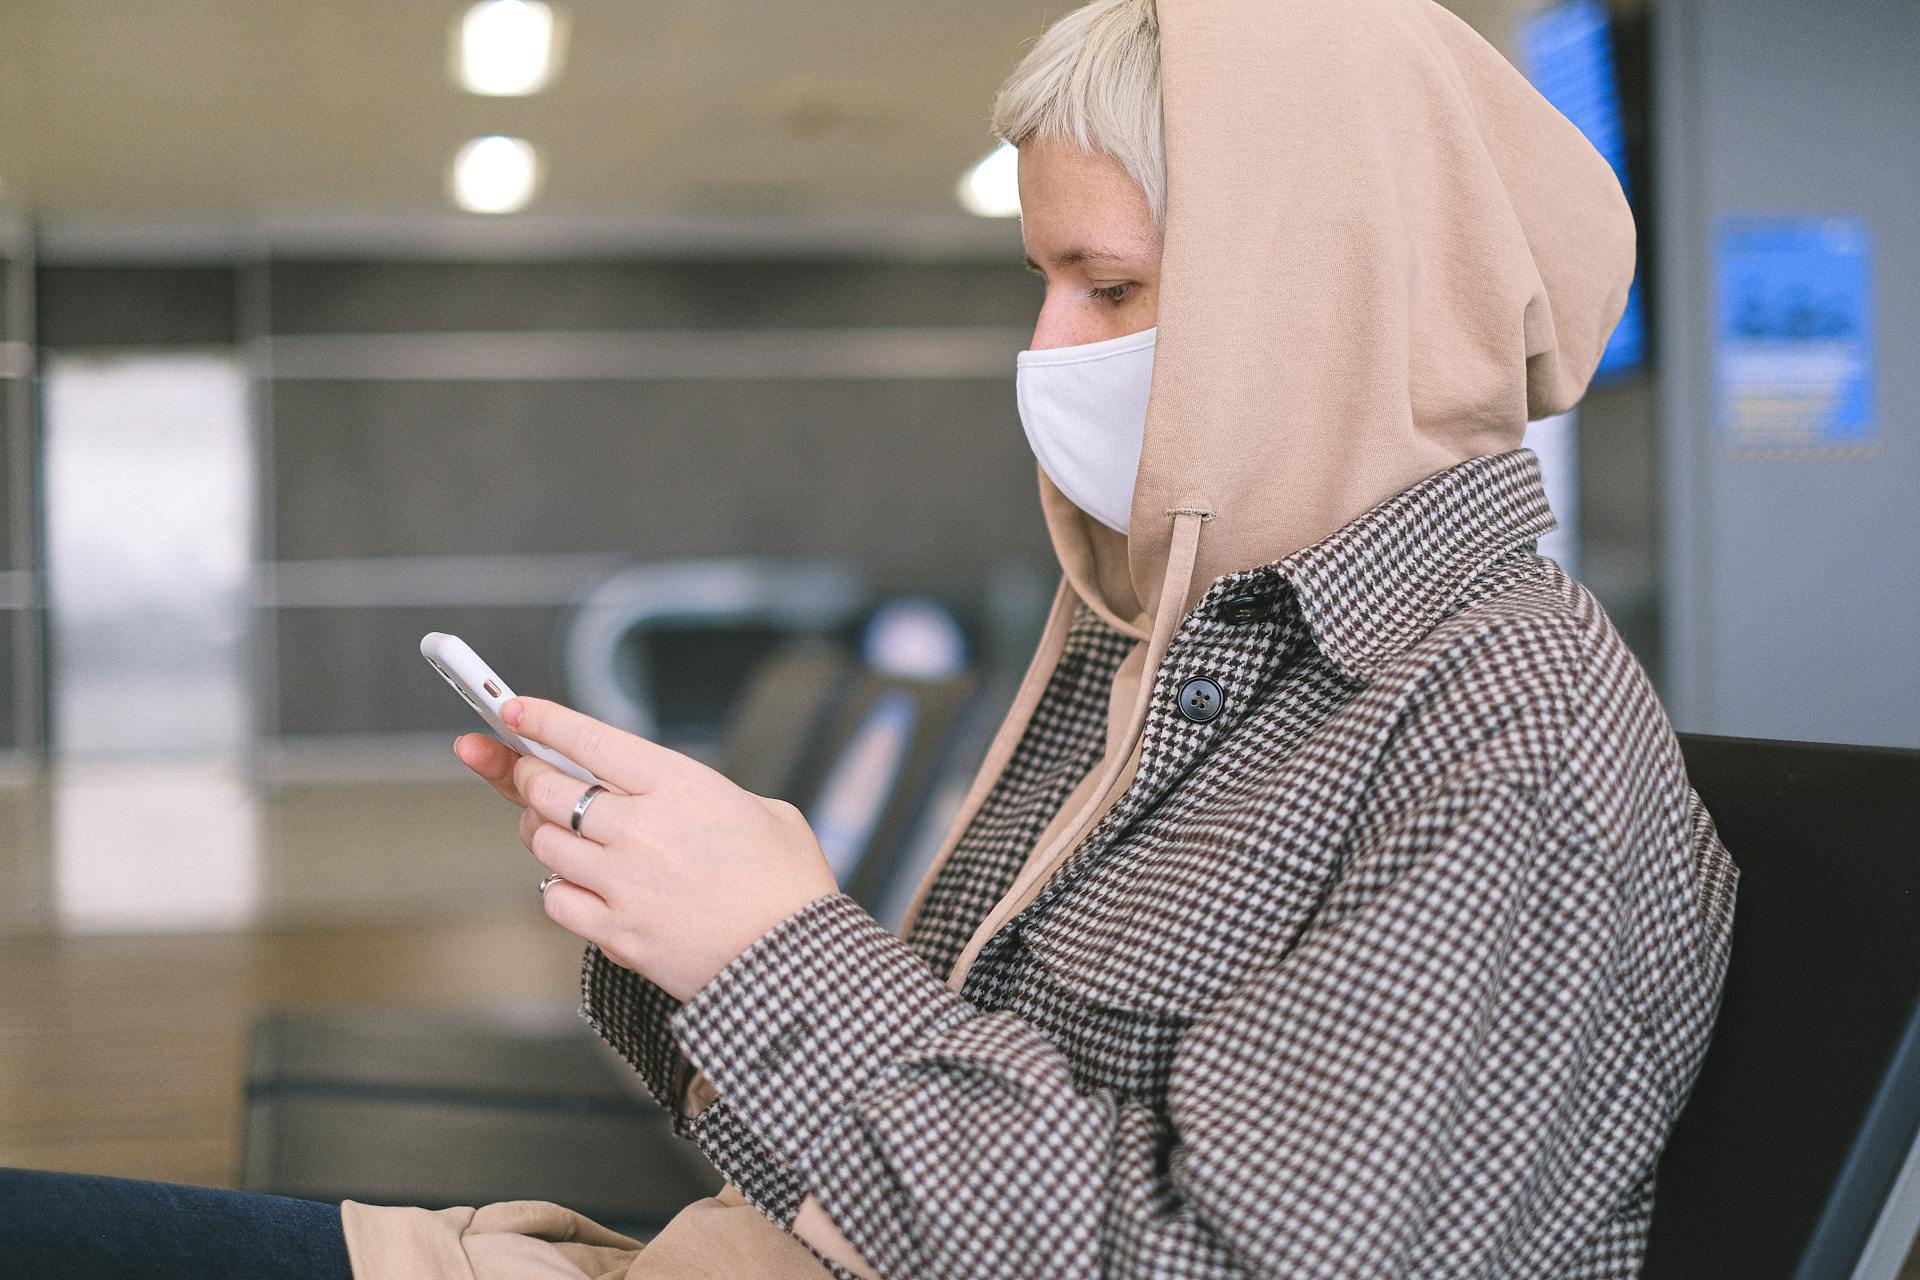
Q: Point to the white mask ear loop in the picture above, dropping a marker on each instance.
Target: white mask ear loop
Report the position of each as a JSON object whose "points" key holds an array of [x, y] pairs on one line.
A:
{"points": [[1084, 409]]}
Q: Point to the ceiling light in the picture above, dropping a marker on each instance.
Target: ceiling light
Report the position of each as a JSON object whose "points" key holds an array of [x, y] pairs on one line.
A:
{"points": [[495, 174], [508, 48], [992, 187]]}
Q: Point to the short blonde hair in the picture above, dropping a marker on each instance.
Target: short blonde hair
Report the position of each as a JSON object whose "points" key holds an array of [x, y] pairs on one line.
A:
{"points": [[1093, 78]]}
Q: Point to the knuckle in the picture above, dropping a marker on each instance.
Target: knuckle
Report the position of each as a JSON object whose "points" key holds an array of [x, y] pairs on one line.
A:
{"points": [[594, 741]]}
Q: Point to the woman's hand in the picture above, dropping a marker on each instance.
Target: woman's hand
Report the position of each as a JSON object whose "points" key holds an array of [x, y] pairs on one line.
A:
{"points": [[676, 870]]}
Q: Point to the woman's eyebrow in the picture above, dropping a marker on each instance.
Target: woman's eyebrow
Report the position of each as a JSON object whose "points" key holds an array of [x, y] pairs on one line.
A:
{"points": [[1076, 256]]}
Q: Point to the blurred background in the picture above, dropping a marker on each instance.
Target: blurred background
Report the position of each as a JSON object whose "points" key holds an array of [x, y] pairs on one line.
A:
{"points": [[663, 350]]}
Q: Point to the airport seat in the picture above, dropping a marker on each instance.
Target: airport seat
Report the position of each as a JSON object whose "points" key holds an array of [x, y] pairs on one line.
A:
{"points": [[880, 799], [464, 1108], [665, 649], [782, 713], [876, 756], [1796, 1156]]}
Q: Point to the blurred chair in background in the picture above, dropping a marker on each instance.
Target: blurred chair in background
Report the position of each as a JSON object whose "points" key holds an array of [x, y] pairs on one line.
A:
{"points": [[892, 740], [665, 650]]}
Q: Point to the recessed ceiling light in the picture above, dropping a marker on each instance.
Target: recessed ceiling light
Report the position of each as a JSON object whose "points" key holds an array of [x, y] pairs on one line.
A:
{"points": [[508, 48], [495, 174], [992, 187]]}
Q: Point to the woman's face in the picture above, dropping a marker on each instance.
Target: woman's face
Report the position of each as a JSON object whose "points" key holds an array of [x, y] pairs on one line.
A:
{"points": [[1090, 235]]}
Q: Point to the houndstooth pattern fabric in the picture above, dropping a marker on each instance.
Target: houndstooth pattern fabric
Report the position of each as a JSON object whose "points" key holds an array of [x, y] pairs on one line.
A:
{"points": [[1401, 966], [1065, 737]]}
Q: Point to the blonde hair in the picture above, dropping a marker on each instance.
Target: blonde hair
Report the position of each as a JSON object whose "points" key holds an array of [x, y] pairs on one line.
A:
{"points": [[1093, 79]]}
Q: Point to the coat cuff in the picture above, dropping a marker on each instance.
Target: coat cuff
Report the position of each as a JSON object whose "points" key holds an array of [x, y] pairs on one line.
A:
{"points": [[635, 1017], [799, 1024]]}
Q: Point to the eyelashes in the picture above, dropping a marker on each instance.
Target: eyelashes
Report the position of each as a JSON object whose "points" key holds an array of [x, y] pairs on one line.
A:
{"points": [[1113, 295]]}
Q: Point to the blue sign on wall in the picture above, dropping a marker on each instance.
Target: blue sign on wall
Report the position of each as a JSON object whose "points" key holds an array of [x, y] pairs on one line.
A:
{"points": [[1793, 357]]}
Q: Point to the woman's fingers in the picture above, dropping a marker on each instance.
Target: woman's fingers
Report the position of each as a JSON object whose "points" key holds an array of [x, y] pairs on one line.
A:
{"points": [[560, 851], [625, 760], [578, 910], [491, 759], [552, 795]]}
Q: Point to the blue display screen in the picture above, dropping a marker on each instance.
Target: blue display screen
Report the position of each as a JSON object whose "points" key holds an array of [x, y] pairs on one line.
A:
{"points": [[1567, 52]]}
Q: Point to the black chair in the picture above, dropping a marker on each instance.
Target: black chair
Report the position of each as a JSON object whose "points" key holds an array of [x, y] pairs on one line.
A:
{"points": [[782, 714], [661, 648], [941, 727], [1796, 1155]]}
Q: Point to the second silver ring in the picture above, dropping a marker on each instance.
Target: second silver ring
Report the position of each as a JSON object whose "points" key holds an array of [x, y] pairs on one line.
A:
{"points": [[580, 806]]}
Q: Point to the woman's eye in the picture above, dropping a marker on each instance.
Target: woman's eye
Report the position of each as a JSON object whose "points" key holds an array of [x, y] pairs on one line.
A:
{"points": [[1113, 293]]}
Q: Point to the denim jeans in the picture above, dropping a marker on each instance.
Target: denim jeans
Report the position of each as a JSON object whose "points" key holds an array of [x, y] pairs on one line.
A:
{"points": [[60, 1225]]}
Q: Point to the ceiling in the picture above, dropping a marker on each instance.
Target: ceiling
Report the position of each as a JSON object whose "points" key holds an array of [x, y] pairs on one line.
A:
{"points": [[201, 122]]}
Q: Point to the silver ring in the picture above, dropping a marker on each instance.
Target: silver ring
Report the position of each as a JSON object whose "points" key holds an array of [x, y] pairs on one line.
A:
{"points": [[548, 883], [580, 806]]}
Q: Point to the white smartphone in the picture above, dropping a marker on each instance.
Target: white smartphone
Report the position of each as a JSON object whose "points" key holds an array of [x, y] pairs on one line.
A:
{"points": [[486, 693]]}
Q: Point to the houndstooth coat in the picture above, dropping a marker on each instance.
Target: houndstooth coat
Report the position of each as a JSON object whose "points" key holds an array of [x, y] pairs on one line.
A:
{"points": [[1402, 964]]}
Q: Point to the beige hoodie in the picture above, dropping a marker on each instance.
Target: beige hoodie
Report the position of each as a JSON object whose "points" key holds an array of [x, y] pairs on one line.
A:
{"points": [[1385, 253]]}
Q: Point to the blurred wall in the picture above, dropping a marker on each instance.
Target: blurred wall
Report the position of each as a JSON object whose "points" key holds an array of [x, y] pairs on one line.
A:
{"points": [[490, 438], [466, 446], [1792, 583]]}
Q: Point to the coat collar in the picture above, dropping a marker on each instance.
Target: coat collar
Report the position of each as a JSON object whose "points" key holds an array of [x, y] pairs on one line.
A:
{"points": [[1374, 586]]}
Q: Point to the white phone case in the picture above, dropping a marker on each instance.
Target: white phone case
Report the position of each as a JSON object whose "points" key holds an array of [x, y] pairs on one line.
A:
{"points": [[486, 693]]}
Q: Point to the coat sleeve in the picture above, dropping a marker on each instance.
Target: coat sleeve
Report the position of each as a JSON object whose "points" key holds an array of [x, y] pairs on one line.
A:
{"points": [[1439, 1078], [635, 1016]]}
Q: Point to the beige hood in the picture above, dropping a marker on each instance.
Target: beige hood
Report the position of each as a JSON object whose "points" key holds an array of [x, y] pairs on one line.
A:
{"points": [[1385, 253]]}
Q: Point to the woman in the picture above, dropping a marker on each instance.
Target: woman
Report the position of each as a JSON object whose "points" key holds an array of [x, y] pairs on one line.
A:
{"points": [[1332, 900]]}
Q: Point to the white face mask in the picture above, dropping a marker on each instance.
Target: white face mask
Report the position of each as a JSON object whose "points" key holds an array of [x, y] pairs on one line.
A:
{"points": [[1084, 409]]}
